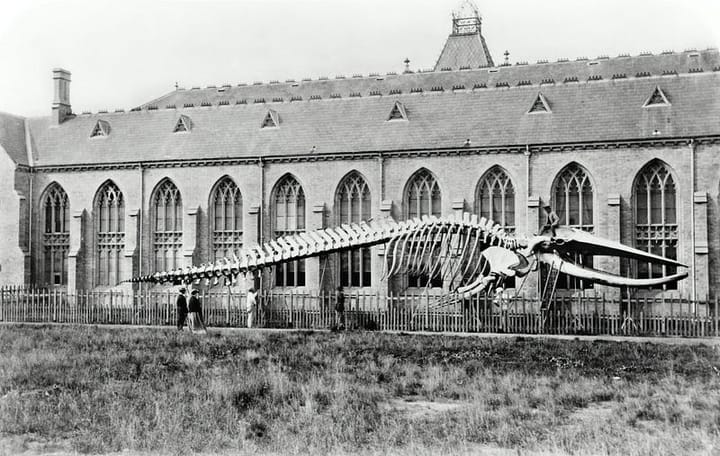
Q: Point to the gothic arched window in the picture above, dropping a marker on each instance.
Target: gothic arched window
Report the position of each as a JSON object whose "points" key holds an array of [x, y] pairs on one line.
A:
{"points": [[573, 198], [56, 234], [423, 197], [495, 198], [656, 229], [573, 203], [289, 218], [352, 203], [109, 215], [166, 221], [227, 219]]}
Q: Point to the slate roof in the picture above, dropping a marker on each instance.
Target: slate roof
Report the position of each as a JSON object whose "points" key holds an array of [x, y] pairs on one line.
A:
{"points": [[462, 51], [12, 137], [604, 110], [581, 70]]}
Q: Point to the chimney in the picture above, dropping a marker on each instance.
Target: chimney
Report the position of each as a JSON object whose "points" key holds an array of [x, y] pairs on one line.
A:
{"points": [[61, 109]]}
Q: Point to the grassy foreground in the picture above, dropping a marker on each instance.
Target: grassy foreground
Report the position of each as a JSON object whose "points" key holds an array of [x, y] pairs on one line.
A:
{"points": [[98, 390]]}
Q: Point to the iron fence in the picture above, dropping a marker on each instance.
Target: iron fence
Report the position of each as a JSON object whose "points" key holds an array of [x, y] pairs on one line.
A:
{"points": [[591, 315]]}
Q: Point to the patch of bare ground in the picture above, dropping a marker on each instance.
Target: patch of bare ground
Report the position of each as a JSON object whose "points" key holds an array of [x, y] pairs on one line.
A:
{"points": [[33, 445], [418, 407], [593, 414]]}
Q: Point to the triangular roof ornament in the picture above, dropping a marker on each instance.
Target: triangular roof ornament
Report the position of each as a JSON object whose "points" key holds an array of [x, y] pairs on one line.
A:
{"points": [[101, 128], [271, 120], [397, 112], [183, 124], [540, 104], [657, 98]]}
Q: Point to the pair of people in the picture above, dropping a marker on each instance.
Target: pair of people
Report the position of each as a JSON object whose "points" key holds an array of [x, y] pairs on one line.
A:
{"points": [[192, 312]]}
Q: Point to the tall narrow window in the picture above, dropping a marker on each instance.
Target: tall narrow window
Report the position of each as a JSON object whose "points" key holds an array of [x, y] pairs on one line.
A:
{"points": [[227, 219], [495, 198], [109, 219], [167, 226], [56, 235], [573, 203], [352, 203], [422, 197], [289, 218], [656, 229]]}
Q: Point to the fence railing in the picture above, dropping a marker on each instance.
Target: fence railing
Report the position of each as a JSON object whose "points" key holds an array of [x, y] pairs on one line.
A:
{"points": [[403, 312]]}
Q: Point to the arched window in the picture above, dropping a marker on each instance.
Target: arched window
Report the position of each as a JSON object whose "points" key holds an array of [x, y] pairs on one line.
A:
{"points": [[572, 200], [289, 218], [422, 197], [495, 198], [227, 219], [166, 221], [109, 216], [656, 229], [56, 234], [352, 203]]}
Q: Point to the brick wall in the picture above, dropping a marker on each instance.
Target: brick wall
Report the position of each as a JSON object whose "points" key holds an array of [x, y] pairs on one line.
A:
{"points": [[612, 172]]}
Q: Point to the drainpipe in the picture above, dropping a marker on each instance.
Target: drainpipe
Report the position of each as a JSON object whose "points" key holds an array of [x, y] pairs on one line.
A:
{"points": [[141, 221], [31, 198], [691, 144], [261, 234], [527, 186]]}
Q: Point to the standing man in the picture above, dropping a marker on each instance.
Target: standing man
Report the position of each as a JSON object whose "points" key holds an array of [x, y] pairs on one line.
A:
{"points": [[552, 220], [340, 308], [251, 306], [182, 309]]}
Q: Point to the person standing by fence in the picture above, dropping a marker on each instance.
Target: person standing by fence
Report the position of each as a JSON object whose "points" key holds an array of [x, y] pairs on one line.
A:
{"points": [[251, 307], [182, 309], [340, 308], [195, 317]]}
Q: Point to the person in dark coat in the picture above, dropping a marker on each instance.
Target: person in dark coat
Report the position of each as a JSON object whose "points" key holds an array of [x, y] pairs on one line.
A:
{"points": [[182, 309], [340, 308], [195, 317]]}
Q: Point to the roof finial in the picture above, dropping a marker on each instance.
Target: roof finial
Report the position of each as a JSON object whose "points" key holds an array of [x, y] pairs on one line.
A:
{"points": [[466, 19], [507, 57], [176, 85], [407, 65]]}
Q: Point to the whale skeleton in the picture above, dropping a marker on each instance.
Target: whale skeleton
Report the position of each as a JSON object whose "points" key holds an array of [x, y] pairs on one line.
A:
{"points": [[470, 254]]}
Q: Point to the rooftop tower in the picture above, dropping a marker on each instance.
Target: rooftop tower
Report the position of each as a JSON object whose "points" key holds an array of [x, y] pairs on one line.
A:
{"points": [[465, 47]]}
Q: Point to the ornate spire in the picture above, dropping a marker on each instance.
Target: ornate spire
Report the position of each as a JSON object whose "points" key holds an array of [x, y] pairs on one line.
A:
{"points": [[465, 48]]}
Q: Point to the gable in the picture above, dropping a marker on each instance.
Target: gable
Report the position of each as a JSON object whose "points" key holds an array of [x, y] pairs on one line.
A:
{"points": [[539, 105], [657, 98]]}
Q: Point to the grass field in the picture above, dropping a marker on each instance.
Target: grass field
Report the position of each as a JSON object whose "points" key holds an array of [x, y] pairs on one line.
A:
{"points": [[98, 390]]}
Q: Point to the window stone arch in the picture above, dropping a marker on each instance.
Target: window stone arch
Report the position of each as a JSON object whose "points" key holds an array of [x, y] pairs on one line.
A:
{"points": [[353, 204], [423, 197], [655, 213], [109, 222], [495, 198], [166, 221], [226, 219], [573, 202], [56, 235], [288, 216]]}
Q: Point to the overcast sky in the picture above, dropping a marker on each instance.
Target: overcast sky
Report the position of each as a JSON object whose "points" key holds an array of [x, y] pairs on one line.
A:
{"points": [[124, 53]]}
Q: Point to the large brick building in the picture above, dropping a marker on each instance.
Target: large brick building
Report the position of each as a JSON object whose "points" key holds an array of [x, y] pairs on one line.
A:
{"points": [[627, 147]]}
